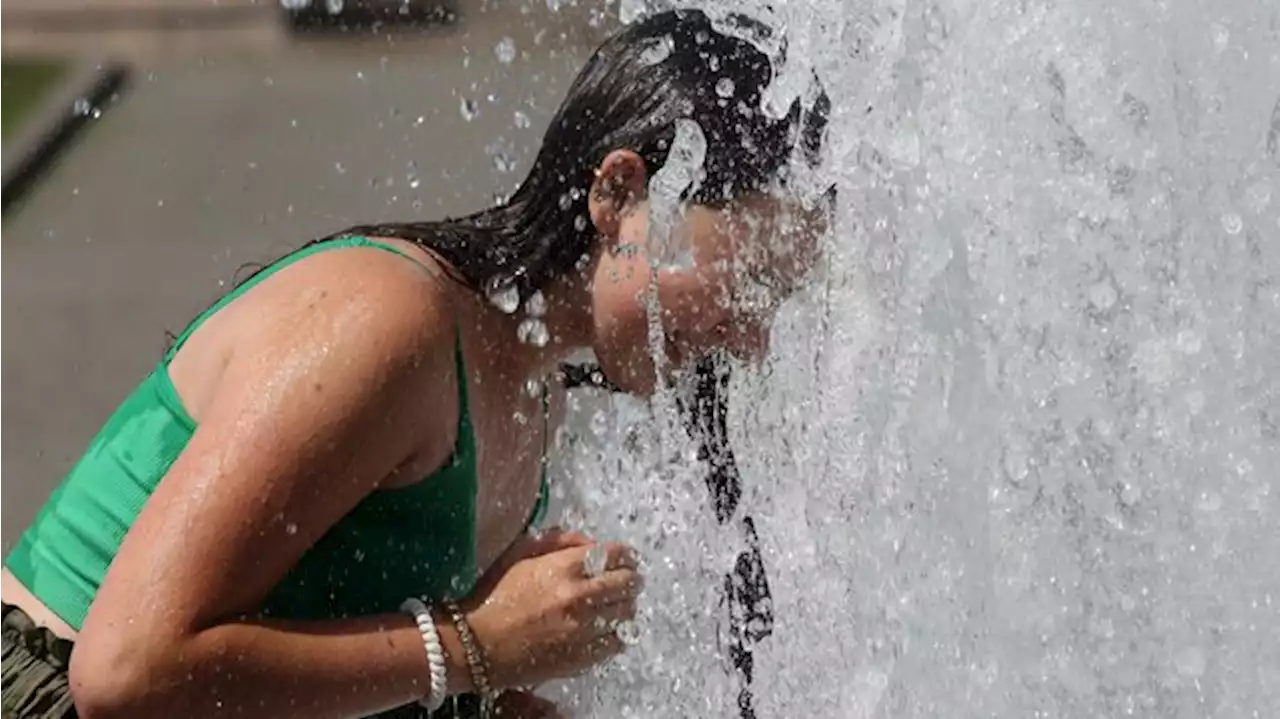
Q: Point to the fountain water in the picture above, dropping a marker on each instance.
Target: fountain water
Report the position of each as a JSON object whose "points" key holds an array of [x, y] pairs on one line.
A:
{"points": [[1015, 452]]}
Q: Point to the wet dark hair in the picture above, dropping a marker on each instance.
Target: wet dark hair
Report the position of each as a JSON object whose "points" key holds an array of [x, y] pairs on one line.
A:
{"points": [[630, 95]]}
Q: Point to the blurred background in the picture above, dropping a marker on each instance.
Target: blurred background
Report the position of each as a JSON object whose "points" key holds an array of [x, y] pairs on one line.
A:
{"points": [[242, 129]]}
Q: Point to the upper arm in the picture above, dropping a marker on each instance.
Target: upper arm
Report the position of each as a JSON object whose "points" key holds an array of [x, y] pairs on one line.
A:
{"points": [[302, 427]]}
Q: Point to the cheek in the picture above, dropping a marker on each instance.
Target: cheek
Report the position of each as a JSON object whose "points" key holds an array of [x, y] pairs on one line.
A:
{"points": [[617, 292], [620, 322]]}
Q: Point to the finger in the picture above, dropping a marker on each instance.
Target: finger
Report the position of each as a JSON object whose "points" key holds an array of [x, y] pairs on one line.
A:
{"points": [[606, 645], [618, 585], [616, 556], [608, 615], [552, 540], [620, 556], [556, 538]]}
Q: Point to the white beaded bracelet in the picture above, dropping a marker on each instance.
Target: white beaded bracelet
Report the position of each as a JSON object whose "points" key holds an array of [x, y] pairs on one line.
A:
{"points": [[435, 652]]}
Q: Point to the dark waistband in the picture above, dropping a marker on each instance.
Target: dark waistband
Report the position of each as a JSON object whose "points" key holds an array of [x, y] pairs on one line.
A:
{"points": [[40, 641]]}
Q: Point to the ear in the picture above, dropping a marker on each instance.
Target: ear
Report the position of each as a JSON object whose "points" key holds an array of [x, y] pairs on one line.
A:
{"points": [[619, 183]]}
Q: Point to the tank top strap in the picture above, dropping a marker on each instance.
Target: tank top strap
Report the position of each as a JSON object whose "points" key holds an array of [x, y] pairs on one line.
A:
{"points": [[544, 487]]}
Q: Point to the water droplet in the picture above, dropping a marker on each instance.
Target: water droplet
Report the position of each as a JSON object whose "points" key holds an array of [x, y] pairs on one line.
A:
{"points": [[724, 87], [533, 331], [1260, 195], [1195, 401], [566, 201], [521, 119], [505, 298], [536, 305], [1102, 296], [628, 632], [1190, 662], [1130, 494], [291, 528], [341, 169], [505, 50], [533, 388], [594, 562], [657, 50], [599, 423], [468, 109], [502, 162], [1189, 342], [1221, 38], [82, 106], [1209, 501], [1232, 223]]}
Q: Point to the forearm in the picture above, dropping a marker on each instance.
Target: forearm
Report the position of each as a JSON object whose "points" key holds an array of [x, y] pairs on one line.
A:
{"points": [[344, 668]]}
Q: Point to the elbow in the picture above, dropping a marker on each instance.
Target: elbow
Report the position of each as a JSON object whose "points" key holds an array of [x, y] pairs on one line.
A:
{"points": [[109, 680]]}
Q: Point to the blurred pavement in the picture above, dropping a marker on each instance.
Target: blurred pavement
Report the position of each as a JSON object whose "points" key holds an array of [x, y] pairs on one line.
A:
{"points": [[234, 149]]}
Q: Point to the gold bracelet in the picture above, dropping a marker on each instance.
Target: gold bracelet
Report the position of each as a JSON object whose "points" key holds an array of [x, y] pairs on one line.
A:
{"points": [[475, 658]]}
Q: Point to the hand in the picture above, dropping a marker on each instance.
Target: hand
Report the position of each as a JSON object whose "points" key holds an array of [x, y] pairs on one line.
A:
{"points": [[538, 616]]}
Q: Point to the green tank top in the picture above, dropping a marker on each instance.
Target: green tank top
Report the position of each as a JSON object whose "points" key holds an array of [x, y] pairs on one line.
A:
{"points": [[418, 540]]}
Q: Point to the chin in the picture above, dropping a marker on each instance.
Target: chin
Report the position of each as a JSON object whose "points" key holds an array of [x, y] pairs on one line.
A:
{"points": [[620, 338], [622, 349]]}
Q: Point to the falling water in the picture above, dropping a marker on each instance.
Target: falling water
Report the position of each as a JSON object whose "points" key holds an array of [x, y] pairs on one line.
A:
{"points": [[1015, 451]]}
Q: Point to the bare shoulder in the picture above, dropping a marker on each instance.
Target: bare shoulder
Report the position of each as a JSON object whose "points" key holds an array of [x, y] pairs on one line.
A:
{"points": [[345, 343], [377, 316], [360, 299]]}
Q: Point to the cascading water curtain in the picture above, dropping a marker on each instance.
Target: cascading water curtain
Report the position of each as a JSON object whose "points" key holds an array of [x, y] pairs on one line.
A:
{"points": [[1014, 453]]}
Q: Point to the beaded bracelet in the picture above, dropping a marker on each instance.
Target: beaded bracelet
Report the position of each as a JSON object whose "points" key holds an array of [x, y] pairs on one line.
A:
{"points": [[421, 614], [475, 658]]}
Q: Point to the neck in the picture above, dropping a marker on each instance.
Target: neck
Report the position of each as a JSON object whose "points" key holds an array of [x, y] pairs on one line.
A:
{"points": [[567, 321], [569, 318]]}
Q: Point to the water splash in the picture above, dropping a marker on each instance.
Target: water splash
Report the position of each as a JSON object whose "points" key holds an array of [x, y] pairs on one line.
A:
{"points": [[468, 109], [678, 178], [1008, 457], [506, 297], [533, 331], [505, 51]]}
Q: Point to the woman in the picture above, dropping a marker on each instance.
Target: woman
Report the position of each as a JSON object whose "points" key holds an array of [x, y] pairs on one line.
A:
{"points": [[362, 423]]}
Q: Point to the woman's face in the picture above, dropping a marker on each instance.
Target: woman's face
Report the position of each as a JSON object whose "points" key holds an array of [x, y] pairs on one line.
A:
{"points": [[739, 261]]}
